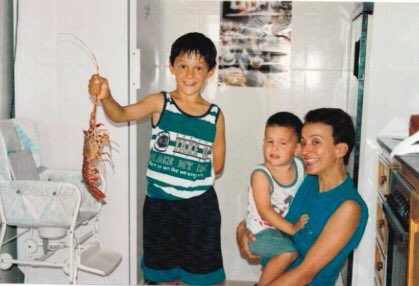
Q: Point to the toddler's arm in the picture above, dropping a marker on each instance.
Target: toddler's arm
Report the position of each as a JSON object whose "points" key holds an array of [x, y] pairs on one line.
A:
{"points": [[151, 104], [261, 187]]}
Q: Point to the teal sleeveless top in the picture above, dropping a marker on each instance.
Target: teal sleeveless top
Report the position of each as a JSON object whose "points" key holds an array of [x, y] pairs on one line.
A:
{"points": [[180, 164], [319, 207]]}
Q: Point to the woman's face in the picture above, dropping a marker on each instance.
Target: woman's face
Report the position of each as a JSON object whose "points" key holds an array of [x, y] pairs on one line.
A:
{"points": [[318, 150]]}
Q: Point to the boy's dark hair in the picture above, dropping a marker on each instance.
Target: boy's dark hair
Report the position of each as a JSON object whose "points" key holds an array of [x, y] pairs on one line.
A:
{"points": [[286, 119], [195, 43], [341, 123]]}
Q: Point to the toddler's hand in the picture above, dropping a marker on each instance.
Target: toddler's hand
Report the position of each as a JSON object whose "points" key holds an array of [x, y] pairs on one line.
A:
{"points": [[98, 87], [301, 222]]}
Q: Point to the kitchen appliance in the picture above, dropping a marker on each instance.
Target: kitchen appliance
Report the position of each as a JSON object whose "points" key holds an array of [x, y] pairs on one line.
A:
{"points": [[396, 208], [357, 59]]}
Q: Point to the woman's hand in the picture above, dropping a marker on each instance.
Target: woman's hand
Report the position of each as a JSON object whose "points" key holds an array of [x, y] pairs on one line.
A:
{"points": [[98, 87], [244, 236]]}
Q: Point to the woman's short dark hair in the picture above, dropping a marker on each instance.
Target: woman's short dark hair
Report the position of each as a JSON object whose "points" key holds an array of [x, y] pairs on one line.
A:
{"points": [[341, 123], [195, 43], [286, 119]]}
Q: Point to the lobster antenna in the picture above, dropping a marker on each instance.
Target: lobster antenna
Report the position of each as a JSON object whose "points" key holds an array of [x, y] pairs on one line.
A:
{"points": [[90, 51]]}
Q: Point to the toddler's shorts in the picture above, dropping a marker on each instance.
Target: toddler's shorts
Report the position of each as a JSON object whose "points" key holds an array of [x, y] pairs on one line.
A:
{"points": [[270, 242]]}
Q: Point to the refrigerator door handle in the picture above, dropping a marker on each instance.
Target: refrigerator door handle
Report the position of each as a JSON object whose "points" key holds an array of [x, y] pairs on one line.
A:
{"points": [[356, 58]]}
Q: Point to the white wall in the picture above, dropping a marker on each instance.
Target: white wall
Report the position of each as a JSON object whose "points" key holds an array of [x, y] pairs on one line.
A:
{"points": [[320, 38], [391, 91], [52, 73]]}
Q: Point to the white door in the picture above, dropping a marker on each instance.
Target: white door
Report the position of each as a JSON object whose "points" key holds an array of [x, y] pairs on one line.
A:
{"points": [[52, 73]]}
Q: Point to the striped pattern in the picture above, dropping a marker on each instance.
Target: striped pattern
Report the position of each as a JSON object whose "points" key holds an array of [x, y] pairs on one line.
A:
{"points": [[180, 165]]}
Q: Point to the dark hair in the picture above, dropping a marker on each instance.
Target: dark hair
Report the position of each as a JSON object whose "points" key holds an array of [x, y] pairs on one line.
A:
{"points": [[286, 119], [195, 43], [341, 123]]}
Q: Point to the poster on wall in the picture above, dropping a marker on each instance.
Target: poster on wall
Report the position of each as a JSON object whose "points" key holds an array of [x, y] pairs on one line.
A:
{"points": [[255, 43]]}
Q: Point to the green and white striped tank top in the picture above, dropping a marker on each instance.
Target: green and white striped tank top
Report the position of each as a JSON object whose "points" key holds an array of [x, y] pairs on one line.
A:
{"points": [[180, 164]]}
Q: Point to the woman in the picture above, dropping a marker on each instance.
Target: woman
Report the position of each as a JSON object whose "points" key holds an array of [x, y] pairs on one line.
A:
{"points": [[337, 214]]}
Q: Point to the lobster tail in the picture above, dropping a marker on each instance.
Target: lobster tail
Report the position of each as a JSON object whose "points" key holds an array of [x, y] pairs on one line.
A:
{"points": [[96, 193]]}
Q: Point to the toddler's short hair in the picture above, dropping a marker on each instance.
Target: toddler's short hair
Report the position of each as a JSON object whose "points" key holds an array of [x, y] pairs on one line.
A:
{"points": [[195, 43], [286, 119]]}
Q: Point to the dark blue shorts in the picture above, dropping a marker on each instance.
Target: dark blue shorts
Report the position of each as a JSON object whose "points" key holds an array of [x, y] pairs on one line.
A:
{"points": [[182, 240]]}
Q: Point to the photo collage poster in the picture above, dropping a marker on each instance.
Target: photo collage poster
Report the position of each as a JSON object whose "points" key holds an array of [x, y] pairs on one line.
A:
{"points": [[255, 43]]}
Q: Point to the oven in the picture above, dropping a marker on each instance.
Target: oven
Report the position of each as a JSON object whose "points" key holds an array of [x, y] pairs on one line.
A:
{"points": [[413, 275], [384, 167], [396, 210]]}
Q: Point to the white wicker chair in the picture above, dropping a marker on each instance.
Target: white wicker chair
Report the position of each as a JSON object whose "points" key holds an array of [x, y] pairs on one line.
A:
{"points": [[55, 203]]}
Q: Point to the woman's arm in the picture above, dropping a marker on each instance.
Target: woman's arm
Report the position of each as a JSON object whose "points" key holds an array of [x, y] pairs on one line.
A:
{"points": [[219, 146], [243, 236], [337, 232]]}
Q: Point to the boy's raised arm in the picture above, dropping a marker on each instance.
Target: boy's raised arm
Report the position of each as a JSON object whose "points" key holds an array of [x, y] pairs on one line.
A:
{"points": [[151, 104], [219, 146]]}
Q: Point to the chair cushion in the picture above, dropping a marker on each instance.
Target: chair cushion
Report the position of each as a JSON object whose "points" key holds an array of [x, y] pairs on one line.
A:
{"points": [[8, 130], [23, 165]]}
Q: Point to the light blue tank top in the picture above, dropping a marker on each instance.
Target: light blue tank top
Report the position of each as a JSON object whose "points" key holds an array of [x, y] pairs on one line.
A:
{"points": [[319, 207]]}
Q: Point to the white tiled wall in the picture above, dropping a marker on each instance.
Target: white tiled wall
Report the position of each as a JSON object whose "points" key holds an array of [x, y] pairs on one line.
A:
{"points": [[319, 49]]}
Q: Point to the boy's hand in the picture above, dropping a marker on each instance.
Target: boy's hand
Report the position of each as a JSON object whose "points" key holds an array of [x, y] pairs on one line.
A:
{"points": [[98, 87], [301, 222]]}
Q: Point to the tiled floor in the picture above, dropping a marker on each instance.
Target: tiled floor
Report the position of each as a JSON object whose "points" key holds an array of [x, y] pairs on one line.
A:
{"points": [[239, 283], [251, 283]]}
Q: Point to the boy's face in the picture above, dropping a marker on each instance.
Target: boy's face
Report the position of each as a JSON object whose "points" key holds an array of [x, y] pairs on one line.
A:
{"points": [[191, 72], [280, 145]]}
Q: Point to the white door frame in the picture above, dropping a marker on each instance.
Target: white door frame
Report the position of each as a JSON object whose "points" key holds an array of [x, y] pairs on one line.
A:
{"points": [[134, 80]]}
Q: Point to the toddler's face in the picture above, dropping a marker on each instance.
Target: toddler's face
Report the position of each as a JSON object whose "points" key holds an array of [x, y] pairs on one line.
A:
{"points": [[191, 72], [280, 145]]}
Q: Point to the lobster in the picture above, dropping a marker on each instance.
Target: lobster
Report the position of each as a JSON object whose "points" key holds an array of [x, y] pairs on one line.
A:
{"points": [[95, 139]]}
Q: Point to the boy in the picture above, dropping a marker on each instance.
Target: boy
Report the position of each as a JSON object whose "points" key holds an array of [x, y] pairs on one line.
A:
{"points": [[187, 149], [271, 190]]}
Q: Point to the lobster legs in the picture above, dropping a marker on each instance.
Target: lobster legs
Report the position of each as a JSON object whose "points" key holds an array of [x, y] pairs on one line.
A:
{"points": [[95, 139]]}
